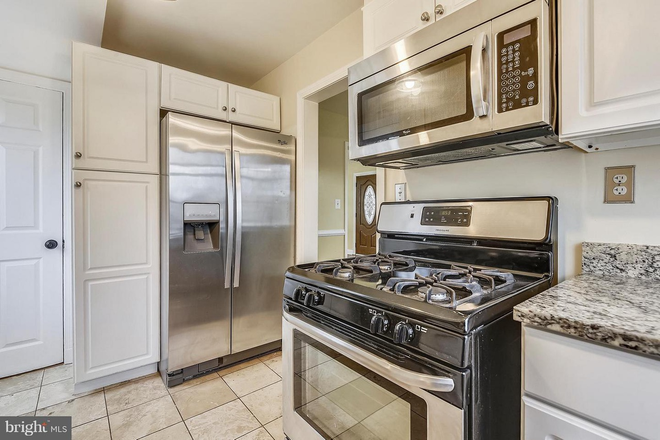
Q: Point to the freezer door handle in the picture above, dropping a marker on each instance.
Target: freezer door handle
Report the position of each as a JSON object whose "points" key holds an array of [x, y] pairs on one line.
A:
{"points": [[230, 218], [239, 218]]}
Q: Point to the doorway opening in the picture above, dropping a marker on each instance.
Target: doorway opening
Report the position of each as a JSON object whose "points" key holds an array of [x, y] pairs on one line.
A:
{"points": [[341, 204]]}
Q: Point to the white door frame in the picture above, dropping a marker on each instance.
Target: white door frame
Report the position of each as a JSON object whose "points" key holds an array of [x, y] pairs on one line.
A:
{"points": [[67, 275], [307, 161], [355, 176]]}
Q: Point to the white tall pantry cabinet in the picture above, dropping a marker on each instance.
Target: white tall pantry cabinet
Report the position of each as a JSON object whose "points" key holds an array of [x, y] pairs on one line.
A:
{"points": [[116, 105]]}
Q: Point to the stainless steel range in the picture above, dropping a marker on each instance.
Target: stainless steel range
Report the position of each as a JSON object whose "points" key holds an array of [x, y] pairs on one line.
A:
{"points": [[417, 342]]}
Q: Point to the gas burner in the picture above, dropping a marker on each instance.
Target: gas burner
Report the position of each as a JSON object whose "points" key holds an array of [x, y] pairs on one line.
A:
{"points": [[345, 273], [436, 295]]}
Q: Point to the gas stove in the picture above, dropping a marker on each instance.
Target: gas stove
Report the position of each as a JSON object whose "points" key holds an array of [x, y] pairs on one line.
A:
{"points": [[437, 298]]}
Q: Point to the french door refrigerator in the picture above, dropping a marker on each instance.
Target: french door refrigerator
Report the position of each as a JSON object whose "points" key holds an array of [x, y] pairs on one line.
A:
{"points": [[228, 237]]}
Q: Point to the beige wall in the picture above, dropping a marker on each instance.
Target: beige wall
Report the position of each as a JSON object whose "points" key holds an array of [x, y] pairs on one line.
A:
{"points": [[576, 178], [333, 50], [333, 134]]}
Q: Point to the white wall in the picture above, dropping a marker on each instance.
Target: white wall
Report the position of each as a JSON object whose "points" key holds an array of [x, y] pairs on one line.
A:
{"points": [[576, 178], [36, 34]]}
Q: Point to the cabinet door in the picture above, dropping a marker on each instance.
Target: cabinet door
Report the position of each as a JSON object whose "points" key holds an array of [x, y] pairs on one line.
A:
{"points": [[192, 93], [444, 8], [610, 58], [257, 109], [388, 21], [116, 109], [116, 251]]}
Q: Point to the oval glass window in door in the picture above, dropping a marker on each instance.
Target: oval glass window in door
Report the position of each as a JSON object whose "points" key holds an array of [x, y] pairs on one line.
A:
{"points": [[369, 204]]}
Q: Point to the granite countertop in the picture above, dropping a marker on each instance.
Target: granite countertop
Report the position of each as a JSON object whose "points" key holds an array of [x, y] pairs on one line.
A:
{"points": [[606, 305]]}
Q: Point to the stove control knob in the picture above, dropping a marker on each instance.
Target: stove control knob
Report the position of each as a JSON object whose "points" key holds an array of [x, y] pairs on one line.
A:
{"points": [[313, 299], [379, 324], [403, 333], [299, 293]]}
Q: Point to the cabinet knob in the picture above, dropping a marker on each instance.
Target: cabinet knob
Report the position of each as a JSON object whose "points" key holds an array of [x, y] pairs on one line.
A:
{"points": [[233, 109], [439, 10], [224, 108], [425, 16], [78, 184], [78, 154]]}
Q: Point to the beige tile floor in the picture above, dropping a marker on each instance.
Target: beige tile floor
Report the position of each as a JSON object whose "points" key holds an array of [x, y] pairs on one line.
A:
{"points": [[240, 402]]}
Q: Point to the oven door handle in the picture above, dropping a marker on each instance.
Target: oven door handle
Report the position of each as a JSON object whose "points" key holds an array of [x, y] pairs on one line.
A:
{"points": [[477, 66], [378, 365]]}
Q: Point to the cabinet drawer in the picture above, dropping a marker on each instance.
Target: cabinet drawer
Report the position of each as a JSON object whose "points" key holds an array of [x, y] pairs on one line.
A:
{"points": [[192, 93], [544, 422], [605, 384]]}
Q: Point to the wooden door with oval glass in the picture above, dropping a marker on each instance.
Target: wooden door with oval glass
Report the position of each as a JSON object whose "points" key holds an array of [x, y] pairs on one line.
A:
{"points": [[365, 214]]}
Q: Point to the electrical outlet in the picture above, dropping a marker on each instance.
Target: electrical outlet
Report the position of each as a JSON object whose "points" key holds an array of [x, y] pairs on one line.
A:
{"points": [[620, 184], [337, 203], [400, 192]]}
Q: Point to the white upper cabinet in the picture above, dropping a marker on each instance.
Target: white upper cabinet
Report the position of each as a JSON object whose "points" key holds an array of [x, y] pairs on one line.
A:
{"points": [[117, 262], [610, 87], [250, 107], [387, 21], [192, 93], [116, 109]]}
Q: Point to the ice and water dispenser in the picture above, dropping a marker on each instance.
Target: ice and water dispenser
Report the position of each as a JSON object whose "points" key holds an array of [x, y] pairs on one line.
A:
{"points": [[201, 232]]}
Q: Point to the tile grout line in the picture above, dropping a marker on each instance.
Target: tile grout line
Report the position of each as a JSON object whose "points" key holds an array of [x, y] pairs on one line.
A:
{"points": [[41, 385], [107, 413], [179, 411]]}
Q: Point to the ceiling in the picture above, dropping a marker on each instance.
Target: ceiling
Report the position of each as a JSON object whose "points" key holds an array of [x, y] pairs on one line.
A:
{"points": [[238, 41]]}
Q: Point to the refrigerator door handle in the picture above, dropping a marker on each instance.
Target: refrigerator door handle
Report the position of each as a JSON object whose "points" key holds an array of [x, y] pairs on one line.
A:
{"points": [[230, 217], [239, 218]]}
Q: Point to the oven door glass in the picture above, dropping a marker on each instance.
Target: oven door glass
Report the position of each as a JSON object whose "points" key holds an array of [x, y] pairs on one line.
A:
{"points": [[343, 400], [435, 95]]}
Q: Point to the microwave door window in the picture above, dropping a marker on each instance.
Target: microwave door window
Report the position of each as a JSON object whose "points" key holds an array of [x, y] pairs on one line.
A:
{"points": [[433, 96]]}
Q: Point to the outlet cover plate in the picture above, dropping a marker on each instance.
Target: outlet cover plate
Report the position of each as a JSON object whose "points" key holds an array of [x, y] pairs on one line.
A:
{"points": [[617, 178], [400, 192]]}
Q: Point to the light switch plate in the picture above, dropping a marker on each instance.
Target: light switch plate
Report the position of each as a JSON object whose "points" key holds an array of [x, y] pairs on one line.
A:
{"points": [[400, 192], [337, 203], [620, 184]]}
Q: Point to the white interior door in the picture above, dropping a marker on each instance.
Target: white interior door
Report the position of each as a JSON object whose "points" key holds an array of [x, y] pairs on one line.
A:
{"points": [[31, 292]]}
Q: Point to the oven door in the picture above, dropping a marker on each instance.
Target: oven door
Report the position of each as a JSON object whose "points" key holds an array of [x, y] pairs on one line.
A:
{"points": [[333, 389], [438, 95]]}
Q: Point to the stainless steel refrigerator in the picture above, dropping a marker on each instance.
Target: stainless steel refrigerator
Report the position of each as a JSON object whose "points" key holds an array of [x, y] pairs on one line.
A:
{"points": [[228, 237]]}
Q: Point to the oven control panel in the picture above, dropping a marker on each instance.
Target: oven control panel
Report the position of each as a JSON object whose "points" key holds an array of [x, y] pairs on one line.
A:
{"points": [[446, 215], [518, 66], [384, 324]]}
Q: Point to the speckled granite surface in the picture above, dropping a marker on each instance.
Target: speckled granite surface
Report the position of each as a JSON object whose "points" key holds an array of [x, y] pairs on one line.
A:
{"points": [[630, 260], [617, 303]]}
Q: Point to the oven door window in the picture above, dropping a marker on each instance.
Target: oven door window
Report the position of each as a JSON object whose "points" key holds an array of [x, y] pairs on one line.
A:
{"points": [[435, 95], [343, 400]]}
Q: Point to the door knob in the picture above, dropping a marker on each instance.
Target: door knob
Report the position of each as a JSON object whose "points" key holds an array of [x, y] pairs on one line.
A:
{"points": [[78, 154], [439, 10], [425, 16], [51, 244]]}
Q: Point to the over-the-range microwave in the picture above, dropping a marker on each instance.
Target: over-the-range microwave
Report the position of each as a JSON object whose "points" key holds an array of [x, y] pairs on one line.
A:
{"points": [[479, 83]]}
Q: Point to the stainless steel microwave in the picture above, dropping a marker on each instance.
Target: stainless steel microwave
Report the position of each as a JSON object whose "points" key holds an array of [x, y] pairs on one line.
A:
{"points": [[479, 83]]}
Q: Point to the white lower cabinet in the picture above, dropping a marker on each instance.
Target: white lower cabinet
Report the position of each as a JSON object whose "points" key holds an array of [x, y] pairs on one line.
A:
{"points": [[545, 422], [117, 251], [250, 107], [606, 386]]}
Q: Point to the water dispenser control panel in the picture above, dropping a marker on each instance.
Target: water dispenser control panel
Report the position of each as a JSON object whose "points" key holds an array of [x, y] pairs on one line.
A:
{"points": [[201, 212]]}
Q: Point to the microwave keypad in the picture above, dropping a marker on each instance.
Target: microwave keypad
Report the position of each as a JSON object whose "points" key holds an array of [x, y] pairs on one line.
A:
{"points": [[517, 70]]}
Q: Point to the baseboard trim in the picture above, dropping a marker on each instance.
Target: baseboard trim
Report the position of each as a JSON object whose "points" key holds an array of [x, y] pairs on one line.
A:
{"points": [[112, 379]]}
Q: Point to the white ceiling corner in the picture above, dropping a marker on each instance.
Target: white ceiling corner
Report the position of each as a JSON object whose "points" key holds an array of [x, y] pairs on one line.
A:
{"points": [[239, 41]]}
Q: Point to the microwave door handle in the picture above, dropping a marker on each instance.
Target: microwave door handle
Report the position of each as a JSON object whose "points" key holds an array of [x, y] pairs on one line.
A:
{"points": [[477, 65]]}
